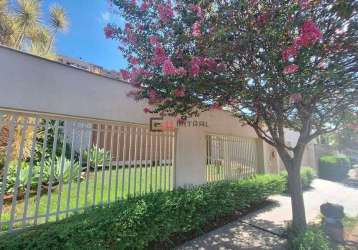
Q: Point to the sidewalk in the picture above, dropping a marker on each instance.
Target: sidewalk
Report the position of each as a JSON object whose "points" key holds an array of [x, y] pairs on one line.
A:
{"points": [[244, 234]]}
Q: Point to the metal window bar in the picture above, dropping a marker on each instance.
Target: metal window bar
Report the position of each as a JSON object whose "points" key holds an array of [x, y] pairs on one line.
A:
{"points": [[53, 166], [230, 157]]}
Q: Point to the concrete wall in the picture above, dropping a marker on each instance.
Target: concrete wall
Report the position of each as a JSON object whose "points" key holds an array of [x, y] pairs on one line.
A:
{"points": [[33, 84]]}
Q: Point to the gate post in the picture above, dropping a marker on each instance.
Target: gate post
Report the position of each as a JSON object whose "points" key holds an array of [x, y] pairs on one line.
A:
{"points": [[190, 158], [260, 156]]}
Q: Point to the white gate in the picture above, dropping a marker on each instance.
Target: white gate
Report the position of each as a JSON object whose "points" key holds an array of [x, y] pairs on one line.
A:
{"points": [[231, 157], [52, 166]]}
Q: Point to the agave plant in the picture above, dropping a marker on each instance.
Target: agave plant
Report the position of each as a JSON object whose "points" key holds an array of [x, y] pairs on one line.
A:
{"points": [[21, 172], [97, 156], [61, 170]]}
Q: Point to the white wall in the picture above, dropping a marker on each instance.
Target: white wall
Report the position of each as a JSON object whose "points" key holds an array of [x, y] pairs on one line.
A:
{"points": [[33, 84]]}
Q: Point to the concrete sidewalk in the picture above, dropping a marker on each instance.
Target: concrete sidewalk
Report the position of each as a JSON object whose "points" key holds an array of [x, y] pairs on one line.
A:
{"points": [[244, 234]]}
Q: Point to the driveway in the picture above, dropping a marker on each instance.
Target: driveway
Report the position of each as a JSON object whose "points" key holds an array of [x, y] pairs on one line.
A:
{"points": [[262, 229]]}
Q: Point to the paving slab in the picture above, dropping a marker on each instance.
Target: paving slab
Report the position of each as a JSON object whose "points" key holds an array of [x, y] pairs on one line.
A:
{"points": [[236, 235], [244, 233]]}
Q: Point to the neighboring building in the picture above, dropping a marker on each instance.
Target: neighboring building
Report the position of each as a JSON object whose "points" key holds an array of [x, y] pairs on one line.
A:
{"points": [[80, 64]]}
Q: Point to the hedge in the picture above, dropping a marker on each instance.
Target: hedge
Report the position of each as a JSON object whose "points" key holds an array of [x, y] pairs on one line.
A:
{"points": [[334, 167], [147, 219]]}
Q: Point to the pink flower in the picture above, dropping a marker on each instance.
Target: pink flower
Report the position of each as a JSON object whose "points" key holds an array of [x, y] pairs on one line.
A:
{"points": [[296, 98], [179, 92], [133, 60], [169, 68], [216, 105], [144, 72], [140, 27], [262, 19], [221, 67], [290, 69], [159, 56], [304, 4], [145, 6], [147, 110], [127, 28], [197, 9], [196, 64], [125, 74], [233, 102], [132, 38], [165, 13], [109, 31], [309, 34], [195, 69], [210, 63], [154, 41], [196, 29], [310, 27], [136, 74], [134, 2], [181, 71], [152, 94], [289, 53]]}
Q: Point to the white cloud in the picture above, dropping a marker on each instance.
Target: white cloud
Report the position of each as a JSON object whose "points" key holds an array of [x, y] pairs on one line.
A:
{"points": [[106, 16]]}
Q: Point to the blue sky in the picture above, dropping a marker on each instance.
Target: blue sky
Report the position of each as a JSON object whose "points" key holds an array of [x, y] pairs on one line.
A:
{"points": [[85, 38]]}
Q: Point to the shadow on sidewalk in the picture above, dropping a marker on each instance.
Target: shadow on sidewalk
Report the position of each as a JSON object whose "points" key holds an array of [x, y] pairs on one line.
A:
{"points": [[245, 233]]}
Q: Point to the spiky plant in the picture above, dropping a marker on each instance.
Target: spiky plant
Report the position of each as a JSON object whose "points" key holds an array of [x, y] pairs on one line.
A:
{"points": [[58, 22], [27, 18], [41, 39], [6, 30]]}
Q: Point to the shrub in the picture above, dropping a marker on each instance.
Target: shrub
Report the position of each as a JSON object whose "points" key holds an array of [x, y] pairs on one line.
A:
{"points": [[2, 159], [68, 173], [307, 176], [97, 156], [150, 218], [313, 238], [51, 134], [23, 179], [334, 167]]}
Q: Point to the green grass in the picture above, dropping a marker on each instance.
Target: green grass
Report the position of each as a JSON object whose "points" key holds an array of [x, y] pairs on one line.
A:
{"points": [[350, 222], [95, 196]]}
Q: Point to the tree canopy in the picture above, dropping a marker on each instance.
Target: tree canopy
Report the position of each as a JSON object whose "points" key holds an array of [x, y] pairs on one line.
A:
{"points": [[274, 64], [22, 26]]}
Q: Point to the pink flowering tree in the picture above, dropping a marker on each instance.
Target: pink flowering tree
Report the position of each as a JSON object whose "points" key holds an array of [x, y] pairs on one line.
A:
{"points": [[273, 64]]}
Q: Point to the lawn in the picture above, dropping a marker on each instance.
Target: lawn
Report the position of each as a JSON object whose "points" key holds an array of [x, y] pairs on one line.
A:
{"points": [[117, 186]]}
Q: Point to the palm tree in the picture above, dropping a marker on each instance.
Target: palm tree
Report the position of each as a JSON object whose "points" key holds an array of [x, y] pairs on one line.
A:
{"points": [[58, 22], [41, 39], [6, 27], [22, 28], [27, 18]]}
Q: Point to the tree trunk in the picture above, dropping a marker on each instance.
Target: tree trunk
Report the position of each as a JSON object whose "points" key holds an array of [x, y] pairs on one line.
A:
{"points": [[295, 189]]}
